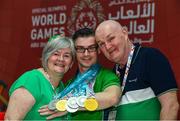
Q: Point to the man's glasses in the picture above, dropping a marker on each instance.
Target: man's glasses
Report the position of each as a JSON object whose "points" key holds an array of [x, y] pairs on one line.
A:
{"points": [[81, 49]]}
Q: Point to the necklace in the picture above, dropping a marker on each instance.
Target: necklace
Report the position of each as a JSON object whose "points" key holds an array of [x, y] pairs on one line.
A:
{"points": [[49, 80]]}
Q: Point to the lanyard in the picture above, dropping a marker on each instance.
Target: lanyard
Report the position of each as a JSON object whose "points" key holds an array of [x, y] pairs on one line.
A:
{"points": [[127, 67], [88, 75]]}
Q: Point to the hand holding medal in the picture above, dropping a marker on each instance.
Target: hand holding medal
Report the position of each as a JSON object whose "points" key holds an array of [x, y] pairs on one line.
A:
{"points": [[74, 103], [78, 99]]}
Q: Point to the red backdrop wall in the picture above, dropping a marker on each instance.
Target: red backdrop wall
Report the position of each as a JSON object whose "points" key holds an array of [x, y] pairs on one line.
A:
{"points": [[25, 26]]}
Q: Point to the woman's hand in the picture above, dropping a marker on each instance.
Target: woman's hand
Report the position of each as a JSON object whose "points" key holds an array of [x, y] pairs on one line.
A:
{"points": [[44, 110]]}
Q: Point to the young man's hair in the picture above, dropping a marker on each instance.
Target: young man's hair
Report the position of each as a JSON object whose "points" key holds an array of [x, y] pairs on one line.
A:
{"points": [[83, 32]]}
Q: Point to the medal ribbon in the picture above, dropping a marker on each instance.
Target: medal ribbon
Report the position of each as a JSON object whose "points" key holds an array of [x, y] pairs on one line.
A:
{"points": [[87, 75]]}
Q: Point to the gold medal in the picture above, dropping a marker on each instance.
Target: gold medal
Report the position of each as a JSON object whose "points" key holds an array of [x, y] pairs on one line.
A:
{"points": [[61, 105], [91, 104]]}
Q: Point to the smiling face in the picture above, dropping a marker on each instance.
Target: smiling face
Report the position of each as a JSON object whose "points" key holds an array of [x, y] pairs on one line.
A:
{"points": [[112, 40], [89, 56], [60, 61]]}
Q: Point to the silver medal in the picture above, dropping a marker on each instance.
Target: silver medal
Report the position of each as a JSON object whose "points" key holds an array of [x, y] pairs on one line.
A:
{"points": [[71, 110], [80, 100], [52, 104], [72, 102]]}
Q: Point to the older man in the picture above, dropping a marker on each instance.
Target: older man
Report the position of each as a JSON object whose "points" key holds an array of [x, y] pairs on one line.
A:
{"points": [[149, 86]]}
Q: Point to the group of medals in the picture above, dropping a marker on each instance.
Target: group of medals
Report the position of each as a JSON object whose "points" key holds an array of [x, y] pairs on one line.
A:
{"points": [[78, 94], [72, 104]]}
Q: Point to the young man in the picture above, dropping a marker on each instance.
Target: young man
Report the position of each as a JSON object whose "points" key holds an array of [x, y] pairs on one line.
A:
{"points": [[149, 90], [105, 84]]}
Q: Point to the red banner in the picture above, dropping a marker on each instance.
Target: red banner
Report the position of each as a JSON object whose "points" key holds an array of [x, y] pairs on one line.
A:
{"points": [[26, 26]]}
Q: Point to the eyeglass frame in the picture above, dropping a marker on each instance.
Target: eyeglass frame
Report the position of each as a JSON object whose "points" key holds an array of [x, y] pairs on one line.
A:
{"points": [[94, 48]]}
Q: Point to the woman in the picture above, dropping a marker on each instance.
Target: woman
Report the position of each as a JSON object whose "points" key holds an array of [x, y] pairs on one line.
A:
{"points": [[37, 87]]}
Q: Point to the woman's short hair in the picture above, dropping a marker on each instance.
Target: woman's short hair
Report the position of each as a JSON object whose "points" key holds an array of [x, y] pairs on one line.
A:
{"points": [[54, 44]]}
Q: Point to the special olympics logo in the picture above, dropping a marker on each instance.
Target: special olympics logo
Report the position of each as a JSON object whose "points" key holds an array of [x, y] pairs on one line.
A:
{"points": [[86, 13]]}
